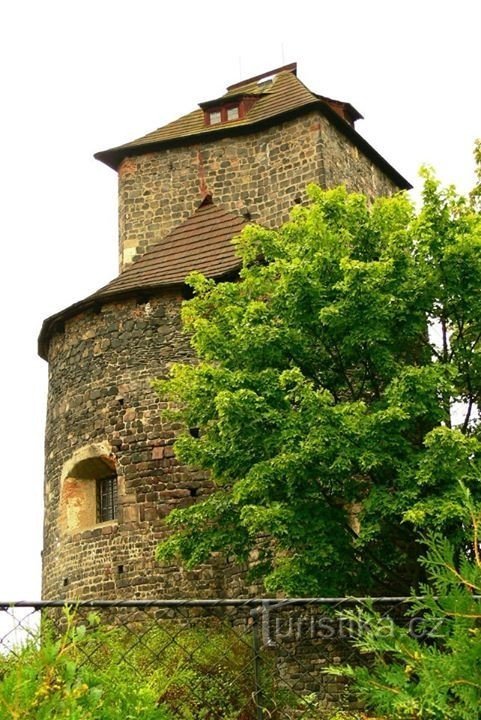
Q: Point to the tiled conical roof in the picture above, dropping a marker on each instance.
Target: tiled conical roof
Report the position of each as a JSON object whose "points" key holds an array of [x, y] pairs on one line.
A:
{"points": [[203, 243]]}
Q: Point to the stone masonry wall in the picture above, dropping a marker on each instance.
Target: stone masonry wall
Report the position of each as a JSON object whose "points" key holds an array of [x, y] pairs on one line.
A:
{"points": [[100, 395], [264, 172], [101, 365], [101, 407]]}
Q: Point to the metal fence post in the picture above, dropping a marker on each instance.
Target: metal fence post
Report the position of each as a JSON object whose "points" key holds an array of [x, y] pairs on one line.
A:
{"points": [[256, 647]]}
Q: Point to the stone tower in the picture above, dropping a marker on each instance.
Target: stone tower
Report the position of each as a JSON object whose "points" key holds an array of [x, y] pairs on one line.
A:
{"points": [[185, 190]]}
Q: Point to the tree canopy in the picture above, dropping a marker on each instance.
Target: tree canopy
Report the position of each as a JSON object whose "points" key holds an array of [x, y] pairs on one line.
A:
{"points": [[324, 393]]}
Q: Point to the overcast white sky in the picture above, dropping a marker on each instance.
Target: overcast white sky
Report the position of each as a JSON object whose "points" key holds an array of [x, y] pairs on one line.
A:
{"points": [[81, 77]]}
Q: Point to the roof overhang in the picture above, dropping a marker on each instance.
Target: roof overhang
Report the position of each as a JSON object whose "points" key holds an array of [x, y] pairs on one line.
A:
{"points": [[115, 156], [95, 302]]}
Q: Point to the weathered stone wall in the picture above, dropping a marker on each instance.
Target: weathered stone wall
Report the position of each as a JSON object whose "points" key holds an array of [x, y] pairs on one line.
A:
{"points": [[101, 365], [100, 396], [264, 172], [343, 163]]}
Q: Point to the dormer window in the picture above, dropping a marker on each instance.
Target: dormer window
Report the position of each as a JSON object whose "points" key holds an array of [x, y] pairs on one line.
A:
{"points": [[227, 113], [233, 113], [215, 117]]}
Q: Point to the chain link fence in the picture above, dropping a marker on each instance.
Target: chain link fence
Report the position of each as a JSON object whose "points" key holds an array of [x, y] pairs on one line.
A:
{"points": [[255, 659]]}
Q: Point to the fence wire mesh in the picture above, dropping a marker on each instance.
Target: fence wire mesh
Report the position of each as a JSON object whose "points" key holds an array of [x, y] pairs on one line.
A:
{"points": [[255, 659]]}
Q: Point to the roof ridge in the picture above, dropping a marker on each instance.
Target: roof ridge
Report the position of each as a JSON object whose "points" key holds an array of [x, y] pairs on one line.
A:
{"points": [[291, 67]]}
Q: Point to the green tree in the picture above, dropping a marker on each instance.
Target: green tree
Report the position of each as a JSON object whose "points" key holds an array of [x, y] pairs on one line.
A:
{"points": [[475, 194], [323, 389], [433, 672]]}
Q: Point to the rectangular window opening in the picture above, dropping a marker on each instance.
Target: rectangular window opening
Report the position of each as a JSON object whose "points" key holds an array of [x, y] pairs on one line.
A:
{"points": [[233, 113], [215, 117], [107, 498]]}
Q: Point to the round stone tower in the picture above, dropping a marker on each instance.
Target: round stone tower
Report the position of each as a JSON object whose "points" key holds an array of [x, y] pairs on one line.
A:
{"points": [[185, 190]]}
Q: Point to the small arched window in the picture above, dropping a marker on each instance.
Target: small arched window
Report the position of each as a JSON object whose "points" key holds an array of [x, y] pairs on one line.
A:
{"points": [[89, 489]]}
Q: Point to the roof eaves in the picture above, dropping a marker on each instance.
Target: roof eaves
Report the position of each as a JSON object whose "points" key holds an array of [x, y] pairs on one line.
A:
{"points": [[354, 112], [98, 299], [89, 303], [114, 156], [366, 147]]}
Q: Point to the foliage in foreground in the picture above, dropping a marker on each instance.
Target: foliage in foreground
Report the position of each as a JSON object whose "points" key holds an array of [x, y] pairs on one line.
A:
{"points": [[433, 673], [323, 403], [48, 677], [94, 672]]}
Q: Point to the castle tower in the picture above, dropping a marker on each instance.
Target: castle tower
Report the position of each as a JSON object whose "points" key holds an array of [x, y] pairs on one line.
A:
{"points": [[185, 190]]}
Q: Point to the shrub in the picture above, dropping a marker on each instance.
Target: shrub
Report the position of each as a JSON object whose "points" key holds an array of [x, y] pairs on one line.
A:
{"points": [[91, 671], [52, 678], [434, 673]]}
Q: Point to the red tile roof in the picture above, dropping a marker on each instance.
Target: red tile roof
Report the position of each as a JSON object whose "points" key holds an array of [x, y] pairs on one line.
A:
{"points": [[285, 92], [280, 95], [202, 242]]}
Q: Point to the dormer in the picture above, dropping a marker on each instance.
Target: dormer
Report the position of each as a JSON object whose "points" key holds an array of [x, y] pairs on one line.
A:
{"points": [[228, 108], [240, 97]]}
